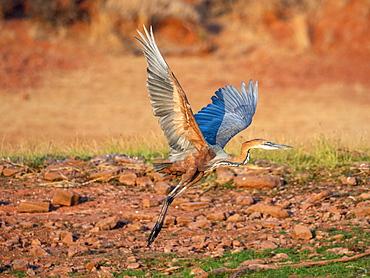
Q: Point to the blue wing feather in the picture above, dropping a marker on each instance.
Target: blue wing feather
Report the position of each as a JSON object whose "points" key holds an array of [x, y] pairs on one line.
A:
{"points": [[229, 113]]}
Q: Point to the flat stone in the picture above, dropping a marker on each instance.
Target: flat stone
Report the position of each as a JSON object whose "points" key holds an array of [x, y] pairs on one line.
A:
{"points": [[274, 211], [26, 224], [179, 201], [65, 197], [348, 180], [144, 181], [162, 187], [192, 206], [235, 218], [197, 271], [200, 224], [132, 216], [38, 251], [10, 171], [34, 206], [183, 220], [106, 175], [107, 223], [20, 265], [258, 182], [218, 216], [67, 238], [63, 171], [301, 232], [253, 262], [148, 202], [244, 200], [133, 266], [74, 251], [128, 178], [169, 221], [268, 245], [320, 196]]}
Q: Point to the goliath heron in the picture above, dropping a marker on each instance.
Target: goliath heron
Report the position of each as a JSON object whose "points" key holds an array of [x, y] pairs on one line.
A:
{"points": [[196, 141]]}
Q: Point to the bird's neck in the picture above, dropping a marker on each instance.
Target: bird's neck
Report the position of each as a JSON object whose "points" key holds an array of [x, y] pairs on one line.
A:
{"points": [[243, 158]]}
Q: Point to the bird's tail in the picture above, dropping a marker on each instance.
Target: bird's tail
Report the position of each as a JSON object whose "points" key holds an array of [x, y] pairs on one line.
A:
{"points": [[160, 166]]}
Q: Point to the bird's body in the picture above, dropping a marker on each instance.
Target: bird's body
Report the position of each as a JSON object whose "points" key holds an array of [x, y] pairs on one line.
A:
{"points": [[196, 141]]}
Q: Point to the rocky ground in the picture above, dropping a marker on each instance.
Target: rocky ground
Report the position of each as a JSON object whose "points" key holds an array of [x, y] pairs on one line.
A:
{"points": [[92, 218]]}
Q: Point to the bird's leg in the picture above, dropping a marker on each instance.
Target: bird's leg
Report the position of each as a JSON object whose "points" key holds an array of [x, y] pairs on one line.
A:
{"points": [[167, 202]]}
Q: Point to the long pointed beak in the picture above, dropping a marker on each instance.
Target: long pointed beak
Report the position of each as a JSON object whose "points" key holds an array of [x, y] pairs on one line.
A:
{"points": [[273, 146]]}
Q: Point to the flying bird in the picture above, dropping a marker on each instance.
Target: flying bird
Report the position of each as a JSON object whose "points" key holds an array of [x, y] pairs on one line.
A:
{"points": [[196, 141]]}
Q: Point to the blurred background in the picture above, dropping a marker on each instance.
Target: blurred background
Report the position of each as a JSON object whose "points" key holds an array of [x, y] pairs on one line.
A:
{"points": [[72, 69]]}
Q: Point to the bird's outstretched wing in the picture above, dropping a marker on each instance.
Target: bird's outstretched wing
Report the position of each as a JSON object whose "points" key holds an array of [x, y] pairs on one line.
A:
{"points": [[229, 113], [169, 102]]}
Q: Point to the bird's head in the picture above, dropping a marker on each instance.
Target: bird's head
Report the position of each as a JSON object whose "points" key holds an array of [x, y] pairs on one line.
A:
{"points": [[263, 144]]}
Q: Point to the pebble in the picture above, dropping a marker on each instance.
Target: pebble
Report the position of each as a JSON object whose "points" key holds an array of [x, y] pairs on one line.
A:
{"points": [[183, 220], [133, 266], [200, 224], [268, 245], [361, 211], [149, 202], [10, 171], [224, 175], [74, 251], [320, 196]]}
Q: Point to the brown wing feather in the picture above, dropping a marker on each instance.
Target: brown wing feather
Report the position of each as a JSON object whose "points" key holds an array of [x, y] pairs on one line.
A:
{"points": [[169, 103]]}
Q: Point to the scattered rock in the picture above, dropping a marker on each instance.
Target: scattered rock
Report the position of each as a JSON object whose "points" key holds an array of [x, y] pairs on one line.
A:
{"points": [[91, 265], [144, 181], [301, 232], [148, 202], [74, 251], [65, 197], [348, 180], [63, 171], [274, 211], [224, 175], [192, 206], [361, 211], [244, 200], [259, 182], [320, 196], [10, 171], [235, 218], [183, 220], [200, 224], [218, 216], [38, 251], [133, 266], [162, 187], [106, 175], [20, 265], [67, 238], [364, 196], [26, 224], [34, 206], [128, 178], [268, 245], [107, 223], [197, 271]]}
